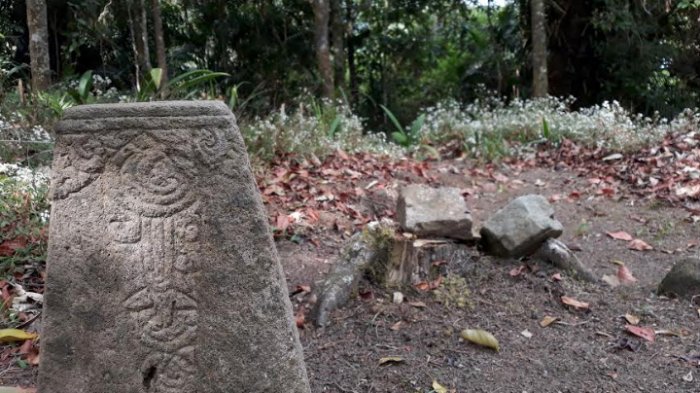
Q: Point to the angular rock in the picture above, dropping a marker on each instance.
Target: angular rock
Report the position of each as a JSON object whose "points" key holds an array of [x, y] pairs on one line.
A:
{"points": [[521, 227], [683, 280], [162, 273], [434, 212]]}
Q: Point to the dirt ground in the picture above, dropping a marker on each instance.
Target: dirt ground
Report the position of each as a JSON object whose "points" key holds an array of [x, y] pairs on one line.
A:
{"points": [[584, 351]]}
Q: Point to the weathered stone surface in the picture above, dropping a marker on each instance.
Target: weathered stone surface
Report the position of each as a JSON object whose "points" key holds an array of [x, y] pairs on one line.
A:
{"points": [[434, 212], [683, 280], [162, 274], [521, 227], [336, 289], [559, 255]]}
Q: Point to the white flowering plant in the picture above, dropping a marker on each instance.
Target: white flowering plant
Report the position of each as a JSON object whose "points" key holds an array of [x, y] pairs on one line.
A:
{"points": [[493, 128], [310, 129]]}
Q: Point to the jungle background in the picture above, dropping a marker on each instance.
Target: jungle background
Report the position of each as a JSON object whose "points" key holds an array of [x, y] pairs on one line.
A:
{"points": [[603, 94]]}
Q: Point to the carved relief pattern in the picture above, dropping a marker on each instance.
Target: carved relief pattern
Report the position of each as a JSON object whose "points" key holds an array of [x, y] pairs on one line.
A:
{"points": [[166, 307], [152, 212]]}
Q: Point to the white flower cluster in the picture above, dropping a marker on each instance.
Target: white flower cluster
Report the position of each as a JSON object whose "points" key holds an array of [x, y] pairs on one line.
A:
{"points": [[607, 125], [311, 129], [30, 180], [101, 86], [11, 129]]}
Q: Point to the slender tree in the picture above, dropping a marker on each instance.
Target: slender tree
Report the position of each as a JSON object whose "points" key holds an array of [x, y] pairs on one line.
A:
{"points": [[338, 27], [138, 28], [540, 86], [160, 41], [38, 44], [141, 32], [322, 15]]}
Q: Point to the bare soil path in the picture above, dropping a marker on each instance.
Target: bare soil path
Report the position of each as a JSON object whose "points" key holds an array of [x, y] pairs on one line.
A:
{"points": [[584, 351]]}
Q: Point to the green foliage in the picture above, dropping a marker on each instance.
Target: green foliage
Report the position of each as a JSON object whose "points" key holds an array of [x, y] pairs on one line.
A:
{"points": [[405, 137], [23, 223], [236, 103], [82, 94], [185, 86], [57, 103]]}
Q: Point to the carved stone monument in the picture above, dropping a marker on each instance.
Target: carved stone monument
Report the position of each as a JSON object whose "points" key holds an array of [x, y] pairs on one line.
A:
{"points": [[162, 273]]}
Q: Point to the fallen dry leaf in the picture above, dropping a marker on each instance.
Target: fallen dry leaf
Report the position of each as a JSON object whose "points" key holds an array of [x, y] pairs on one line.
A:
{"points": [[437, 388], [569, 301], [9, 247], [14, 335], [300, 289], [556, 277], [547, 320], [621, 235], [4, 389], [391, 360], [300, 319], [418, 304], [282, 222], [435, 284], [666, 332], [646, 333], [639, 245], [395, 327], [480, 337], [632, 319], [611, 280], [516, 271], [422, 286], [625, 276]]}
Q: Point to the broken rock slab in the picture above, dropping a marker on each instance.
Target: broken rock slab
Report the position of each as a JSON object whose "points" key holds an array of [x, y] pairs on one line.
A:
{"points": [[162, 275], [434, 212], [683, 280], [521, 227]]}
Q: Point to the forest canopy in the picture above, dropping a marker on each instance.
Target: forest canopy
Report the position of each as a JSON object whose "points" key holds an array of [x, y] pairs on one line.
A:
{"points": [[403, 55]]}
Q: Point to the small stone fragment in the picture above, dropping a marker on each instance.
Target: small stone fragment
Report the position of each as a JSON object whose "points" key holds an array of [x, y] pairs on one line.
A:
{"points": [[398, 297], [683, 280], [521, 227], [438, 212]]}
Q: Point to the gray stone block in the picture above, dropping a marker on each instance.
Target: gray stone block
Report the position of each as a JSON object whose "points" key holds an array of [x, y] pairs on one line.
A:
{"points": [[434, 212], [521, 227], [162, 273], [683, 280]]}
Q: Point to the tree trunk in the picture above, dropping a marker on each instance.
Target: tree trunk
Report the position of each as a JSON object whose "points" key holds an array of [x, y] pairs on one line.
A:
{"points": [[540, 86], [139, 37], [38, 45], [338, 34], [322, 12], [160, 42], [352, 68]]}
